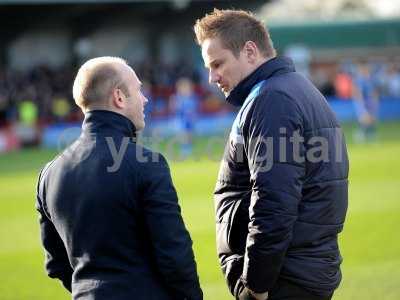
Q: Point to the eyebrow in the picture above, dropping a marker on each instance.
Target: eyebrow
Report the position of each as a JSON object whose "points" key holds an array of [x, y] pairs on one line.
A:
{"points": [[212, 62]]}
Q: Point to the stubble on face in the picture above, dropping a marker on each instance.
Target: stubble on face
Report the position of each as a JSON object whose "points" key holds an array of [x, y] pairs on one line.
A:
{"points": [[135, 99], [225, 69]]}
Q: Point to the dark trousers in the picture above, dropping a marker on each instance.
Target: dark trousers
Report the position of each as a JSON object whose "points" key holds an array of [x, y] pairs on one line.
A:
{"points": [[285, 290]]}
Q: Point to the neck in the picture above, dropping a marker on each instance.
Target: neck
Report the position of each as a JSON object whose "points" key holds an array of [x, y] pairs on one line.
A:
{"points": [[252, 68], [101, 107], [261, 61], [257, 64]]}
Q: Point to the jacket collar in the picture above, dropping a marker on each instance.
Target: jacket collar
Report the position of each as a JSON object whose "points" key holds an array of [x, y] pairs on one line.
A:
{"points": [[272, 67], [105, 120]]}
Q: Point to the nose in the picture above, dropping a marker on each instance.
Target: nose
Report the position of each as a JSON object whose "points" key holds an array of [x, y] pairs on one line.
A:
{"points": [[213, 77]]}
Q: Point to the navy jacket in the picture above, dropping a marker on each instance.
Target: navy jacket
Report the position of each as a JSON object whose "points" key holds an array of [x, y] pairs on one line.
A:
{"points": [[114, 231], [281, 194]]}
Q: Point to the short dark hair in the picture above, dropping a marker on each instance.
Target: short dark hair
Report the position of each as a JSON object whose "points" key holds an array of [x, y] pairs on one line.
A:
{"points": [[234, 28]]}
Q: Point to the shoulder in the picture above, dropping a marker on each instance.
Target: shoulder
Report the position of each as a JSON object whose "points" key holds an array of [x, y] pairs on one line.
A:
{"points": [[271, 109], [43, 174], [153, 172], [146, 157], [147, 162], [272, 100], [42, 179]]}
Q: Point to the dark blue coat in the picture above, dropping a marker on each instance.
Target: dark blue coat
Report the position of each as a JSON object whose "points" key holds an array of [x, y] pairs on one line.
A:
{"points": [[114, 231], [282, 189]]}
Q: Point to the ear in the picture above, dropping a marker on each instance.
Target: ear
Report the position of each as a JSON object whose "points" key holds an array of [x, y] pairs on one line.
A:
{"points": [[250, 51], [118, 98]]}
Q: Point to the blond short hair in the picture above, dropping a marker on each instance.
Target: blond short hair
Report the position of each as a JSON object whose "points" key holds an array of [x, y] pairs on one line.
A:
{"points": [[234, 28], [96, 79]]}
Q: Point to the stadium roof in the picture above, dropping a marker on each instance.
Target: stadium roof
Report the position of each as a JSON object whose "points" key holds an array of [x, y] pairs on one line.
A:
{"points": [[374, 33], [292, 11], [39, 2]]}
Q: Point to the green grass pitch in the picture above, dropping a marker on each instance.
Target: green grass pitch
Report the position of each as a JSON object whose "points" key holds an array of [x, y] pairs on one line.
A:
{"points": [[370, 242]]}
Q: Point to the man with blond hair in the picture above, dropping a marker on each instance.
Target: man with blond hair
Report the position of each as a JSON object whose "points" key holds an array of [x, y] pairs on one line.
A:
{"points": [[281, 193], [110, 221]]}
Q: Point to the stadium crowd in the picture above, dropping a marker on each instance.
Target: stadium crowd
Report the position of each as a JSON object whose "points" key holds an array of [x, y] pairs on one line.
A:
{"points": [[46, 92], [41, 96], [338, 80]]}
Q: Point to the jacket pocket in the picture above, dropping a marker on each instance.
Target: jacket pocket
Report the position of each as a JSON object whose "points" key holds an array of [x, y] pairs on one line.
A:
{"points": [[232, 268], [224, 232], [84, 288]]}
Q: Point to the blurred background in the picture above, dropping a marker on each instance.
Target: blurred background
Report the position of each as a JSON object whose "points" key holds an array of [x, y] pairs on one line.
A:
{"points": [[350, 49]]}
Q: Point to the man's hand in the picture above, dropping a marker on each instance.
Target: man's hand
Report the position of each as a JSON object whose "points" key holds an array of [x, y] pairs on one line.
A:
{"points": [[247, 294], [259, 296], [241, 292]]}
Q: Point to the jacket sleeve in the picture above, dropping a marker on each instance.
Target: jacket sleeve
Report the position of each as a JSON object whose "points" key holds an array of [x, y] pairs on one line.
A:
{"points": [[56, 260], [274, 147], [170, 240]]}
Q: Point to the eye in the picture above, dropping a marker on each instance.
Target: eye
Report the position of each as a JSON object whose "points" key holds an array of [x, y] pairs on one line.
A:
{"points": [[216, 65]]}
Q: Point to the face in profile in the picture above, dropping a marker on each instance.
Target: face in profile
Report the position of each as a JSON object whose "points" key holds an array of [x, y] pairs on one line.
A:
{"points": [[135, 100], [225, 69]]}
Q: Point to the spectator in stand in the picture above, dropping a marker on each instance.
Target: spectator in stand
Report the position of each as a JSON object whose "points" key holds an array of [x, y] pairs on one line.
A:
{"points": [[27, 130], [185, 105], [3, 105], [343, 85], [366, 102], [393, 81]]}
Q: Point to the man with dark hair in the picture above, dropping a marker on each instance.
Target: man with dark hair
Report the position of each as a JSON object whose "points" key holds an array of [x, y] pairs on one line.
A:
{"points": [[110, 221], [281, 194]]}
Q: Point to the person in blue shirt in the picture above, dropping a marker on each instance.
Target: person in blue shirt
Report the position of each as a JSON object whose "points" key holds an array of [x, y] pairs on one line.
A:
{"points": [[365, 97], [185, 102]]}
